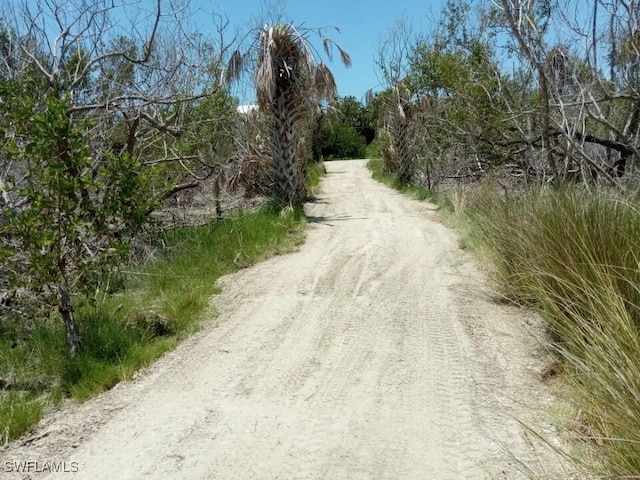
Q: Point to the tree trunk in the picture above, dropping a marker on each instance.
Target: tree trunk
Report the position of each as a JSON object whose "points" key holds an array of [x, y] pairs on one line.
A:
{"points": [[545, 115], [290, 168], [216, 195], [66, 310]]}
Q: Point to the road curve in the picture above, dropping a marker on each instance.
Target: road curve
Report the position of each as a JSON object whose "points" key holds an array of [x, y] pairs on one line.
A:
{"points": [[374, 352]]}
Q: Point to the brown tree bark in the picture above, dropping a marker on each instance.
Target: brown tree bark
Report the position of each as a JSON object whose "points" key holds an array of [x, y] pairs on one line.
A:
{"points": [[66, 310], [545, 116]]}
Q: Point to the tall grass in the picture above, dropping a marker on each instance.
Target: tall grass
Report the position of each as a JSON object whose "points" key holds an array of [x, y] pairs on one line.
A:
{"points": [[159, 303], [315, 172], [575, 256]]}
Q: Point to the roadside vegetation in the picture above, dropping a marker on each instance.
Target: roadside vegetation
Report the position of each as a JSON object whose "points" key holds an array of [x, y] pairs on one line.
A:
{"points": [[416, 192], [573, 255], [537, 167], [104, 136], [345, 129], [142, 312]]}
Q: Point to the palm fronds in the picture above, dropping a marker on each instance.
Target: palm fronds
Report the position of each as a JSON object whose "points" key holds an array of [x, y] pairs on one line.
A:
{"points": [[289, 83]]}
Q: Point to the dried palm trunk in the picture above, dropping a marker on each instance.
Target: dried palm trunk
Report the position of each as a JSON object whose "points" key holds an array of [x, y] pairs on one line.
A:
{"points": [[288, 126], [284, 84], [289, 85]]}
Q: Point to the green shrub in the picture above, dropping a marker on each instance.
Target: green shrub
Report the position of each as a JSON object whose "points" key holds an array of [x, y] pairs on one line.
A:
{"points": [[342, 141]]}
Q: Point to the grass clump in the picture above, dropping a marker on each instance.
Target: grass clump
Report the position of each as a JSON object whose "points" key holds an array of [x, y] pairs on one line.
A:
{"points": [[315, 172], [160, 303], [19, 412], [575, 255]]}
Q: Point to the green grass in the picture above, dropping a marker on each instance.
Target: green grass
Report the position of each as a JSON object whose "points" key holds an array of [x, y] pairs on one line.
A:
{"points": [[316, 171], [575, 256], [159, 304], [413, 191], [19, 412]]}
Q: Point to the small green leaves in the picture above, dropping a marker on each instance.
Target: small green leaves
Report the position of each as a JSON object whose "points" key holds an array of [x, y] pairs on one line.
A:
{"points": [[74, 221]]}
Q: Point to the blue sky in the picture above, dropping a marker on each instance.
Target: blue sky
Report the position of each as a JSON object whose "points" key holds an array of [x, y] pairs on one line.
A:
{"points": [[361, 24]]}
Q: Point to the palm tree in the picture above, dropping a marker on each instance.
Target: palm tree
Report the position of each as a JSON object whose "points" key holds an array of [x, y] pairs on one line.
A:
{"points": [[402, 126], [289, 85]]}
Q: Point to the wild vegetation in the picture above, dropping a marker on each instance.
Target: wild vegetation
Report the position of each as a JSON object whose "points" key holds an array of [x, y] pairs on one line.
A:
{"points": [[101, 133], [104, 136], [522, 117], [145, 310], [345, 129]]}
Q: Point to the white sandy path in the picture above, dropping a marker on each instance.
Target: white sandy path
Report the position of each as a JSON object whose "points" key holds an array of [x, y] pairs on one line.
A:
{"points": [[375, 352]]}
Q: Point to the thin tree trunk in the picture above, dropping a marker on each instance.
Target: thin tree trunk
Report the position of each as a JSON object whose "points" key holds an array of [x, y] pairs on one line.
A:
{"points": [[594, 38], [66, 310], [613, 55], [545, 115], [216, 195]]}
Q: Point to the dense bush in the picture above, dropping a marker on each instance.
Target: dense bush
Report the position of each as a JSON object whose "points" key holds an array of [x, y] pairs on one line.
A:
{"points": [[342, 141]]}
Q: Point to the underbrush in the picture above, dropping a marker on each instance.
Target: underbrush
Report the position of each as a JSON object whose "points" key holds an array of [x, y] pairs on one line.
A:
{"points": [[413, 191], [574, 255], [154, 306], [316, 171]]}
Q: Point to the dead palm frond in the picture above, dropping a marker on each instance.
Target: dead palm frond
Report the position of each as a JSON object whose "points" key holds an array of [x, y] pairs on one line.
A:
{"points": [[399, 158]]}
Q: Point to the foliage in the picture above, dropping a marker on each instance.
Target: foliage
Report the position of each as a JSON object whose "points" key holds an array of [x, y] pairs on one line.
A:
{"points": [[340, 141], [555, 250], [317, 170], [363, 118], [78, 214], [96, 131], [18, 414], [555, 115], [208, 130], [412, 191], [345, 129], [376, 149], [148, 316]]}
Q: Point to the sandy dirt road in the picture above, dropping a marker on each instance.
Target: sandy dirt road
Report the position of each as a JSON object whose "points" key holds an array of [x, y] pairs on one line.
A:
{"points": [[375, 352]]}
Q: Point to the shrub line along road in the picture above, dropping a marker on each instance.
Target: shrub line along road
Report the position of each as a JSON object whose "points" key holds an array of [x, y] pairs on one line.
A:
{"points": [[374, 352]]}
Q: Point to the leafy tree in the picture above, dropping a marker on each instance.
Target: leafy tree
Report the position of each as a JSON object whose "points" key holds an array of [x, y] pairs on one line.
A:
{"points": [[362, 118], [431, 115], [73, 219], [346, 127], [341, 140], [96, 129]]}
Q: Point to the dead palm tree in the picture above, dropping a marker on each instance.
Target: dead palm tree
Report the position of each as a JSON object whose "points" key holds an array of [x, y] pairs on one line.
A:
{"points": [[289, 84], [402, 126]]}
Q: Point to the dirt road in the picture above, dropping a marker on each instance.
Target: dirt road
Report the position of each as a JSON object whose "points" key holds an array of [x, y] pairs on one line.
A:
{"points": [[375, 352]]}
